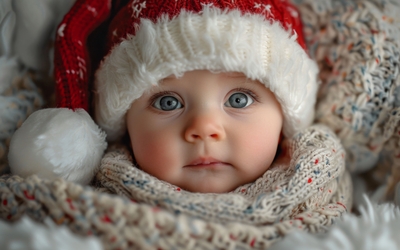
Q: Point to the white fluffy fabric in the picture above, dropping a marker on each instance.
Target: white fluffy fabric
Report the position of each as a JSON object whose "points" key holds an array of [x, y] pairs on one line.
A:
{"points": [[26, 28], [57, 143], [29, 235], [216, 40], [8, 71], [377, 227]]}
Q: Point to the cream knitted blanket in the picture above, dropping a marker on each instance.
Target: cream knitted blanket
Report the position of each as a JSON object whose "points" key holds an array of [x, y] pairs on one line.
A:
{"points": [[356, 44], [150, 214]]}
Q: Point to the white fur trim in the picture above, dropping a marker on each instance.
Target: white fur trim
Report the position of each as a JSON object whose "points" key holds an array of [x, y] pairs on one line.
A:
{"points": [[57, 143], [378, 227], [216, 40]]}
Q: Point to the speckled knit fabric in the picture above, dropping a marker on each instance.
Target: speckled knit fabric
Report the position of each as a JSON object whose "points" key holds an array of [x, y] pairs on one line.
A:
{"points": [[19, 97], [25, 62], [150, 214], [357, 46]]}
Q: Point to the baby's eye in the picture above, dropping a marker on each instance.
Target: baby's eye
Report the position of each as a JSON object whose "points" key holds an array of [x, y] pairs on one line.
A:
{"points": [[167, 103], [239, 100]]}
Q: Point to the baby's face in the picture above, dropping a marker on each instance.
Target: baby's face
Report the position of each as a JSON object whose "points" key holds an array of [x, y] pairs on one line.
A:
{"points": [[206, 132]]}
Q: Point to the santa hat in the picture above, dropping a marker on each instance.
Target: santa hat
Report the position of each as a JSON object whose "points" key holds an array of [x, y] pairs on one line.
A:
{"points": [[151, 40]]}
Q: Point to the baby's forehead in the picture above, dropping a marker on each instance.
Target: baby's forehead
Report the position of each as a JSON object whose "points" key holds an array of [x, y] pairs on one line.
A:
{"points": [[222, 80], [234, 74], [223, 75], [239, 77]]}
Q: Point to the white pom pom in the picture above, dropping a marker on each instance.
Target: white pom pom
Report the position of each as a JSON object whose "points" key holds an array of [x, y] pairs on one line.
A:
{"points": [[55, 143]]}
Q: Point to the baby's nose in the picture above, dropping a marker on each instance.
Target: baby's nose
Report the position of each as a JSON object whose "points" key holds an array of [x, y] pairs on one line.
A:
{"points": [[205, 127]]}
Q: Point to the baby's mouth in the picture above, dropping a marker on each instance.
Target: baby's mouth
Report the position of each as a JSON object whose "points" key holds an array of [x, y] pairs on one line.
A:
{"points": [[206, 162]]}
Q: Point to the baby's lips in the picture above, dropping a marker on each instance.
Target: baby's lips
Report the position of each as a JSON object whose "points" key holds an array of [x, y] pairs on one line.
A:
{"points": [[205, 160]]}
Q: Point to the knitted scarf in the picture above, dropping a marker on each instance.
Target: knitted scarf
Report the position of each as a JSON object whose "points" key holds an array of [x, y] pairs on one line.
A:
{"points": [[148, 213]]}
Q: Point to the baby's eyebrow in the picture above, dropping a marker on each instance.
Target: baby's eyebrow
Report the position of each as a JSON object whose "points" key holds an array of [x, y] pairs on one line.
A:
{"points": [[239, 76]]}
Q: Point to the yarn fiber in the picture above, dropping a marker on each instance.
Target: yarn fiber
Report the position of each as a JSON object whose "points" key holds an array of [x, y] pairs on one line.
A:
{"points": [[151, 214], [357, 47]]}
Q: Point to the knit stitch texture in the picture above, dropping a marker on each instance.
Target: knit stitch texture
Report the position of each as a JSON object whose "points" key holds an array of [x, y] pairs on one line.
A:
{"points": [[19, 97], [151, 214], [357, 47]]}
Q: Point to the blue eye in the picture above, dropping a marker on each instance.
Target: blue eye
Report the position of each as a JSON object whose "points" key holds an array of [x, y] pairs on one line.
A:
{"points": [[167, 103], [239, 100]]}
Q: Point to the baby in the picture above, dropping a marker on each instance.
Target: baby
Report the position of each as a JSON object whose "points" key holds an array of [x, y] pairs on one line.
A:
{"points": [[206, 90]]}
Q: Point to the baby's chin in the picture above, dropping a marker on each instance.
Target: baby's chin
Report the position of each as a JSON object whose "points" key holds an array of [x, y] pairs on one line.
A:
{"points": [[209, 186]]}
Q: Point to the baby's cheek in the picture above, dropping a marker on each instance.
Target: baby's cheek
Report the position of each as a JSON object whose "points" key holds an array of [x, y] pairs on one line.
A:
{"points": [[260, 149], [155, 154]]}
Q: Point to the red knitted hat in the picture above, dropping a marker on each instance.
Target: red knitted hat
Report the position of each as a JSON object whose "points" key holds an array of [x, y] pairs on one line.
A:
{"points": [[150, 40]]}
